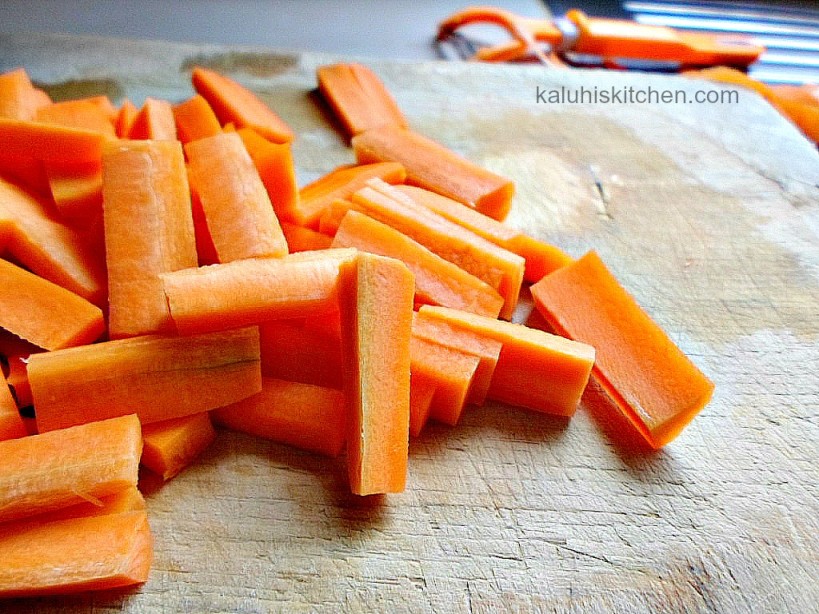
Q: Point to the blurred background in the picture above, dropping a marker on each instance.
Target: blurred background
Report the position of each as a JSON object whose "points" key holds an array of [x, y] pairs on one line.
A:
{"points": [[402, 29]]}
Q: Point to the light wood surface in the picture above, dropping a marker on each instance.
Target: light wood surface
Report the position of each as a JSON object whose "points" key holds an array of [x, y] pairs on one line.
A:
{"points": [[708, 214]]}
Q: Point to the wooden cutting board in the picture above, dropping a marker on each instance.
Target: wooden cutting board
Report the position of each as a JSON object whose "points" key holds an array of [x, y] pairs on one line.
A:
{"points": [[708, 214]]}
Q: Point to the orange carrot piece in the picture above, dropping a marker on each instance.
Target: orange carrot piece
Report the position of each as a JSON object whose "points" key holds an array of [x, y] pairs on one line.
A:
{"points": [[50, 142], [11, 423], [315, 197], [358, 98], [84, 114], [127, 500], [77, 554], [274, 162], [12, 345], [154, 121], [238, 211], [302, 239], [250, 291], [19, 99], [654, 384], [535, 370], [195, 119], [48, 248], [432, 166], [235, 103], [437, 281], [541, 258], [26, 172], [44, 313], [205, 250], [468, 342], [172, 445], [297, 353], [157, 378], [301, 415], [498, 267], [125, 118], [377, 372], [50, 471], [422, 391], [148, 231], [17, 379], [75, 188], [453, 373]]}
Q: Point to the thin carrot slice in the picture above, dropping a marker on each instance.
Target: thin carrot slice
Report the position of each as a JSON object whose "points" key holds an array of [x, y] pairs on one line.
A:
{"points": [[51, 471], [422, 391], [17, 378], [154, 121], [148, 231], [48, 248], [235, 103], [541, 258], [84, 114], [432, 166], [376, 325], [125, 118], [654, 384], [535, 370], [452, 372], [301, 239], [274, 162], [49, 141], [437, 281], [358, 97], [238, 211], [11, 423], [251, 291], [301, 415], [172, 445], [158, 378], [44, 313], [487, 350], [74, 555], [19, 99], [294, 352], [315, 197], [195, 119]]}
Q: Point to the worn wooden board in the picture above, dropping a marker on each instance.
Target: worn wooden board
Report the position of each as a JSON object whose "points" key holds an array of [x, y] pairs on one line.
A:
{"points": [[709, 214]]}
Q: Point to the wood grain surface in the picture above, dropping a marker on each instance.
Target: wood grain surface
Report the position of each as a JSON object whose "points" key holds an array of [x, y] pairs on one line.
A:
{"points": [[708, 214]]}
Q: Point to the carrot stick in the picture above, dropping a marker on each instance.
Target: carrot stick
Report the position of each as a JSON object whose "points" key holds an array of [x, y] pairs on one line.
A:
{"points": [[83, 114], [19, 99], [44, 313], [17, 378], [122, 501], [154, 121], [46, 472], [294, 352], [302, 239], [76, 554], [26, 172], [274, 162], [541, 258], [379, 290], [48, 248], [437, 281], [125, 118], [422, 391], [535, 370], [49, 141], [195, 119], [148, 231], [243, 292], [234, 103], [301, 415], [358, 98], [75, 188], [172, 445], [205, 250], [11, 423], [12, 345], [315, 197], [238, 211], [654, 384], [434, 167], [157, 378]]}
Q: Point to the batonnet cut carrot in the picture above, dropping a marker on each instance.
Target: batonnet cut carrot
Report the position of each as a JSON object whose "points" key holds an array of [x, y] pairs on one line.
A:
{"points": [[158, 378], [236, 104], [195, 119], [422, 391], [19, 99], [171, 445], [17, 378], [299, 353], [652, 381], [125, 118], [148, 231], [154, 121], [302, 415], [84, 114], [432, 166], [303, 239], [437, 281], [51, 471], [127, 500], [76, 188], [237, 208], [47, 315], [535, 370], [358, 97], [50, 142], [11, 423], [377, 302], [274, 162]]}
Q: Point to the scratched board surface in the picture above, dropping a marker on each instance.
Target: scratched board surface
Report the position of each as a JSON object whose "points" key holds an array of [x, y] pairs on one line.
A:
{"points": [[708, 214]]}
